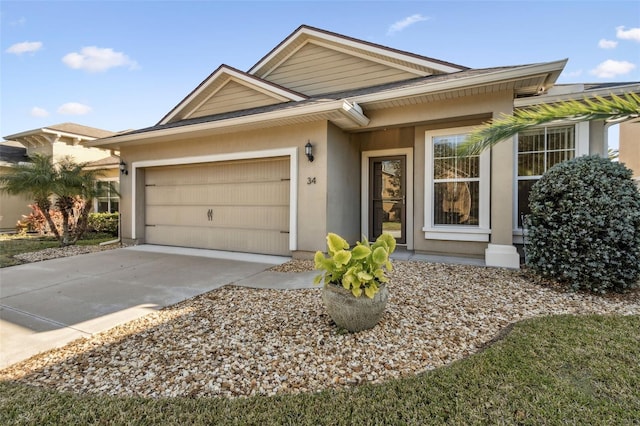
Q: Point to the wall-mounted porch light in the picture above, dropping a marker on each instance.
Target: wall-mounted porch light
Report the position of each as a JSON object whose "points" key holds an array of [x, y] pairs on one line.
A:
{"points": [[308, 151], [123, 168]]}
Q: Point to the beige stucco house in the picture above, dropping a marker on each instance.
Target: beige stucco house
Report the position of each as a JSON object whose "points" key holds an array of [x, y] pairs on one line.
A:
{"points": [[227, 168], [59, 141]]}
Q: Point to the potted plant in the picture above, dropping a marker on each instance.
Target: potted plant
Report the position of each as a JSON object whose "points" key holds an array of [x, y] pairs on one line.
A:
{"points": [[355, 292]]}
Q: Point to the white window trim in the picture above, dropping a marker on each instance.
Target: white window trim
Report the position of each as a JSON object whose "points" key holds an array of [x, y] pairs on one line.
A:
{"points": [[292, 153], [581, 131], [95, 200], [364, 199], [456, 233]]}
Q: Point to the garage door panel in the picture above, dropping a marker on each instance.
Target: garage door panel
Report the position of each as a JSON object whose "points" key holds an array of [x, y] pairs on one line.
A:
{"points": [[237, 206], [230, 172], [263, 193], [249, 241], [246, 217]]}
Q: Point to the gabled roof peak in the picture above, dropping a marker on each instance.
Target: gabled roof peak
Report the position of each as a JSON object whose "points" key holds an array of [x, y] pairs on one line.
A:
{"points": [[305, 33]]}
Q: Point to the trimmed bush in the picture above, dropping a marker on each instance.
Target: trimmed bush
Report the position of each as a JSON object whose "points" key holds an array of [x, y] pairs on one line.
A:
{"points": [[104, 222], [584, 226]]}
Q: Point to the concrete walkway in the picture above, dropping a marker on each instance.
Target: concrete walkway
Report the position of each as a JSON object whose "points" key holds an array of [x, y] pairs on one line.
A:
{"points": [[48, 304]]}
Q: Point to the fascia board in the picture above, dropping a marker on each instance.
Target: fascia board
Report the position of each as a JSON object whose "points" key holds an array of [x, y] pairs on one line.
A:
{"points": [[476, 80], [577, 96], [326, 107]]}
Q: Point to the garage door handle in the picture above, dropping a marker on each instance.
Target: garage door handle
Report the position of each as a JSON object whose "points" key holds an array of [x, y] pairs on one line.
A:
{"points": [[210, 215]]}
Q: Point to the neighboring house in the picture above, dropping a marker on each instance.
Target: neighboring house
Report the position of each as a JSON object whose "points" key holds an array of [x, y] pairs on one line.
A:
{"points": [[109, 181], [58, 141], [12, 207], [629, 148], [226, 168]]}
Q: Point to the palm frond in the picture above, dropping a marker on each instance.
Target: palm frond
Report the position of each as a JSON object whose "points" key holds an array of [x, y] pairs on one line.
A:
{"points": [[613, 109]]}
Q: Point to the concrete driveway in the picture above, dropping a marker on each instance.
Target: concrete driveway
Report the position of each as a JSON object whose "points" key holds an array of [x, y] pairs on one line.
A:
{"points": [[47, 304]]}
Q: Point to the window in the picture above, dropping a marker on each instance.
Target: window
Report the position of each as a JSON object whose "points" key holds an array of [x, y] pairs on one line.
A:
{"points": [[538, 150], [457, 189], [108, 200]]}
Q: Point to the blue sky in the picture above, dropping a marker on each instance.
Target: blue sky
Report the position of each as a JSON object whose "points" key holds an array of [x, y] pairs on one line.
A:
{"points": [[121, 65]]}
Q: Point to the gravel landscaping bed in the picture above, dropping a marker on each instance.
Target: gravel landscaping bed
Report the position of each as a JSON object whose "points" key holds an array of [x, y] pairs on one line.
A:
{"points": [[235, 342], [56, 252]]}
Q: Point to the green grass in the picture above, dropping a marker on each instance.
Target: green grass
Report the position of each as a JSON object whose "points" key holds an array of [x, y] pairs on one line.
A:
{"points": [[12, 244], [573, 370]]}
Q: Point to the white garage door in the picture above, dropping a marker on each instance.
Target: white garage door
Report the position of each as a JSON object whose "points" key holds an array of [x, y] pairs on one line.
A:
{"points": [[236, 206]]}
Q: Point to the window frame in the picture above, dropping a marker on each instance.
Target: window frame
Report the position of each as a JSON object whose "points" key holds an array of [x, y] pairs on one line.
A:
{"points": [[580, 146], [480, 232], [96, 200]]}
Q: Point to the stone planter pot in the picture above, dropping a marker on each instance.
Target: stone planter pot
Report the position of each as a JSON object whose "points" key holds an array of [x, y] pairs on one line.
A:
{"points": [[354, 313]]}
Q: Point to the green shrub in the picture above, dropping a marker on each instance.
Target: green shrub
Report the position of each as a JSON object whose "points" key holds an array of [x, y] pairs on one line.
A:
{"points": [[584, 226], [104, 222]]}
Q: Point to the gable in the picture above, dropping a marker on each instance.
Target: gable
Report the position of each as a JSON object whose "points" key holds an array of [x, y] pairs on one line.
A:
{"points": [[233, 96], [314, 61], [229, 90], [314, 69]]}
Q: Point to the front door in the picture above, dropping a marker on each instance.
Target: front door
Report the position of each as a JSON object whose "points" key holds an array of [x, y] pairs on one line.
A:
{"points": [[387, 198]]}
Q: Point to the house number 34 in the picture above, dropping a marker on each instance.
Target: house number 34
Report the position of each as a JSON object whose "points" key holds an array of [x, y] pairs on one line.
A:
{"points": [[311, 180]]}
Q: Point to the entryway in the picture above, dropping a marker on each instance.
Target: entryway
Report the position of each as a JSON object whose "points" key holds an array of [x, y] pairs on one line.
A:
{"points": [[387, 193]]}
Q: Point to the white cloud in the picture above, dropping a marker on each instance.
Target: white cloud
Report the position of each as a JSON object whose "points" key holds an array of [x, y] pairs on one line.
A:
{"points": [[39, 112], [19, 22], [611, 68], [630, 34], [607, 44], [25, 47], [74, 108], [96, 59], [410, 20]]}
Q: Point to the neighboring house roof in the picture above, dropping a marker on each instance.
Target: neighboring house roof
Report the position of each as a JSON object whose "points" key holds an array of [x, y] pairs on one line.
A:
{"points": [[69, 133], [104, 163], [12, 153]]}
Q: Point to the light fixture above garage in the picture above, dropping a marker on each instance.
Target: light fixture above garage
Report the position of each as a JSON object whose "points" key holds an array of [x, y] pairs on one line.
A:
{"points": [[308, 151]]}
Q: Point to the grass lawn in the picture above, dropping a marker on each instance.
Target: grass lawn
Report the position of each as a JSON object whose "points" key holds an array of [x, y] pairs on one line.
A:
{"points": [[12, 244], [553, 370]]}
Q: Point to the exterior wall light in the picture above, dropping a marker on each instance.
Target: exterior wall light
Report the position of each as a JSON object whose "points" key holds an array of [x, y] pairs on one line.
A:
{"points": [[123, 168], [308, 151]]}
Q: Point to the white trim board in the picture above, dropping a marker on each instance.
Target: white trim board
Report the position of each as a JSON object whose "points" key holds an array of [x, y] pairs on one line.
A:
{"points": [[292, 153]]}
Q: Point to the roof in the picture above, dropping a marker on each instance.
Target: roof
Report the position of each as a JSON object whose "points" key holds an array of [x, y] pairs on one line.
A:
{"points": [[69, 133], [344, 108], [580, 91], [11, 153], [305, 32]]}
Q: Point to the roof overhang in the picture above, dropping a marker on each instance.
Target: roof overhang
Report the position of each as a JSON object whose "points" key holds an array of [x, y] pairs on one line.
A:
{"points": [[46, 136], [578, 95], [342, 113], [523, 80]]}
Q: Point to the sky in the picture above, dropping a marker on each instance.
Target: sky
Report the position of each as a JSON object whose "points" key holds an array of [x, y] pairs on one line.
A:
{"points": [[119, 65]]}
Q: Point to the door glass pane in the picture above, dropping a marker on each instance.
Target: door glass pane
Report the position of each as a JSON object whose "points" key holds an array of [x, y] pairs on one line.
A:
{"points": [[387, 198]]}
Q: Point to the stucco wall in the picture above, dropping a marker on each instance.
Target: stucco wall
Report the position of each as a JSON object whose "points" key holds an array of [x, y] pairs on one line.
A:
{"points": [[12, 207], [343, 185], [630, 146]]}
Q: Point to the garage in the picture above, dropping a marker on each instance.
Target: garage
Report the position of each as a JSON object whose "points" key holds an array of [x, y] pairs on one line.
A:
{"points": [[235, 205]]}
